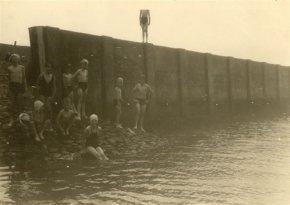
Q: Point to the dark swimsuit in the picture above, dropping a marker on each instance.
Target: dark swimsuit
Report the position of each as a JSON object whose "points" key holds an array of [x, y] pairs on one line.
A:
{"points": [[69, 88], [16, 88], [141, 101], [45, 88], [92, 140], [83, 85], [144, 20]]}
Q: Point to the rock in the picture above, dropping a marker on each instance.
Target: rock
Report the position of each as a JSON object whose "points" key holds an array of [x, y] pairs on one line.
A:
{"points": [[55, 155], [53, 149]]}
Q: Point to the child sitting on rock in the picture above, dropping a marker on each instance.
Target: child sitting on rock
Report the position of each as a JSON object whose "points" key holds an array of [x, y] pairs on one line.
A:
{"points": [[34, 120], [117, 101], [66, 117], [91, 140]]}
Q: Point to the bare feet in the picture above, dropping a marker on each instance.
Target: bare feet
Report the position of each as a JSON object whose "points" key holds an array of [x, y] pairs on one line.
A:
{"points": [[106, 158], [67, 132], [41, 136], [142, 129], [37, 138], [119, 126], [135, 128], [10, 123]]}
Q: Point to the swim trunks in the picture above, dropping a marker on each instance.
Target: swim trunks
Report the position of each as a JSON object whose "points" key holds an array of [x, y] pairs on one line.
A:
{"points": [[83, 85], [141, 101], [16, 88], [144, 20]]}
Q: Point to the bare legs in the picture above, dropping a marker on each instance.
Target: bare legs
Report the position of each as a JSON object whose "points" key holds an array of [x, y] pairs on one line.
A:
{"points": [[118, 116], [97, 153], [67, 124], [145, 31], [140, 112], [14, 100], [72, 102], [33, 129], [47, 108], [81, 103]]}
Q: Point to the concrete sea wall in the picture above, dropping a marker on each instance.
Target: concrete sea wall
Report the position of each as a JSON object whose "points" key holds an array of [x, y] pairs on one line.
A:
{"points": [[184, 82]]}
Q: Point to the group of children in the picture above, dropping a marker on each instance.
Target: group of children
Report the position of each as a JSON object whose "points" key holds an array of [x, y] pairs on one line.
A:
{"points": [[40, 118]]}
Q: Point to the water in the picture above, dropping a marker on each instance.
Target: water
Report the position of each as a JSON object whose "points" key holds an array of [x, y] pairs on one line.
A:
{"points": [[230, 161]]}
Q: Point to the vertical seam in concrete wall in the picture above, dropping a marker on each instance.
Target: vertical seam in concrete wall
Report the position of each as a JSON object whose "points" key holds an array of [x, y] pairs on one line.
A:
{"points": [[230, 97], [264, 81], [41, 47], [277, 85], [248, 86], [180, 97], [103, 78], [145, 61], [207, 83]]}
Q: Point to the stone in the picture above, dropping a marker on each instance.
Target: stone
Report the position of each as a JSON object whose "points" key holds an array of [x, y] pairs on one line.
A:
{"points": [[53, 149]]}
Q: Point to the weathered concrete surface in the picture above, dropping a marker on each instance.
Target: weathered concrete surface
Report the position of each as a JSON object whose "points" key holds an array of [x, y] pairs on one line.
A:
{"points": [[283, 83], [196, 84], [238, 78], [218, 84], [270, 83], [166, 82], [184, 82]]}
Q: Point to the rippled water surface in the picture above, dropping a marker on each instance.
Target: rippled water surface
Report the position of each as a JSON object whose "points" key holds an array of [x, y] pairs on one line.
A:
{"points": [[236, 161]]}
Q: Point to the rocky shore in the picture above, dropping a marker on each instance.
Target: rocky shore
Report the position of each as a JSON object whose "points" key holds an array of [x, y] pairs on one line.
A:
{"points": [[17, 144]]}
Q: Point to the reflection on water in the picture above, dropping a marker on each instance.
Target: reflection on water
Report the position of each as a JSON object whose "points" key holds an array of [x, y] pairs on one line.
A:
{"points": [[238, 161]]}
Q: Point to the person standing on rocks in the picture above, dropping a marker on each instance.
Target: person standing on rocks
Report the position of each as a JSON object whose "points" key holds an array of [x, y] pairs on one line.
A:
{"points": [[117, 101], [91, 140], [66, 117], [142, 92], [17, 84], [67, 79], [34, 120], [46, 88], [81, 76]]}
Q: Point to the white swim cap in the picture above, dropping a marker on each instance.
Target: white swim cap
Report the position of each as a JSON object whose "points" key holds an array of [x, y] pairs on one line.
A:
{"points": [[84, 61], [120, 80], [93, 117], [38, 104]]}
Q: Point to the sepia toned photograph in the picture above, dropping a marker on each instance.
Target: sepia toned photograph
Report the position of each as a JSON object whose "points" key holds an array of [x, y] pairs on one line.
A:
{"points": [[145, 102]]}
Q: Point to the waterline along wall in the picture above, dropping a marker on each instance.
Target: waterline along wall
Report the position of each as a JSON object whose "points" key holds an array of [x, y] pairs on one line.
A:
{"points": [[184, 82]]}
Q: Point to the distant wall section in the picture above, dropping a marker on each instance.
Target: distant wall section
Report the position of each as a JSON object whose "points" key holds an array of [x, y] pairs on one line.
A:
{"points": [[184, 82]]}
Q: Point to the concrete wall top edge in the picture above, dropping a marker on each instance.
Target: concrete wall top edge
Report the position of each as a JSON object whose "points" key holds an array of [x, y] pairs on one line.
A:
{"points": [[4, 45], [154, 45]]}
